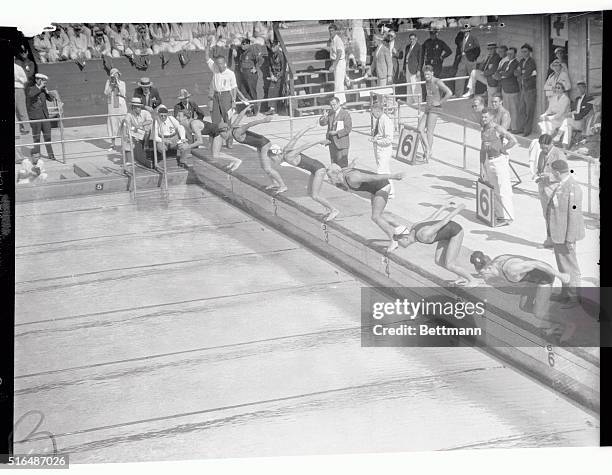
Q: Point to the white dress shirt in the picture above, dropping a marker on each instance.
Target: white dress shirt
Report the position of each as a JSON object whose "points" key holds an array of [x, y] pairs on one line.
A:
{"points": [[168, 128], [222, 81], [383, 137]]}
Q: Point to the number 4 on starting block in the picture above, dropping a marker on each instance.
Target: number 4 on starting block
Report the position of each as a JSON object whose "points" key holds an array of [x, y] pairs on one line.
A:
{"points": [[408, 143]]}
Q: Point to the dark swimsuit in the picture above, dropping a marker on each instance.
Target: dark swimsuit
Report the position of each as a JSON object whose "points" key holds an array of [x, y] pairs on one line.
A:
{"points": [[535, 276], [252, 139], [448, 231], [309, 164], [369, 187]]}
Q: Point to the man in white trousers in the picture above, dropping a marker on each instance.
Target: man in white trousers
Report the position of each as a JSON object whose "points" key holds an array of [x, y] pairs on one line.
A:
{"points": [[337, 54], [382, 138], [496, 167]]}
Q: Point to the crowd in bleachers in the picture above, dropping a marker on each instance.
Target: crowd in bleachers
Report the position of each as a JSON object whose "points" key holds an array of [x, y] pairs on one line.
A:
{"points": [[79, 42]]}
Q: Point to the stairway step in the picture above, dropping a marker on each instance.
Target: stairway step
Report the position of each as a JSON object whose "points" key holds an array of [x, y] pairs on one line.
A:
{"points": [[306, 46], [309, 65]]}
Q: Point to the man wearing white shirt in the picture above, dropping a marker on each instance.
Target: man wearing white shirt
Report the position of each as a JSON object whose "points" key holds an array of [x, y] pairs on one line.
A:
{"points": [[338, 57], [169, 133], [21, 110], [382, 138]]}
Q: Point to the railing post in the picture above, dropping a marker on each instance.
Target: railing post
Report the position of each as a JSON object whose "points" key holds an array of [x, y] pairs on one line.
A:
{"points": [[154, 131], [590, 184], [61, 124], [291, 116], [464, 145]]}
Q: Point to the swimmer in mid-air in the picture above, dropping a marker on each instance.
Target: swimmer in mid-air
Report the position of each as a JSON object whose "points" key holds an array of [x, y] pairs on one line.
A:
{"points": [[377, 186], [292, 154], [242, 134], [447, 233]]}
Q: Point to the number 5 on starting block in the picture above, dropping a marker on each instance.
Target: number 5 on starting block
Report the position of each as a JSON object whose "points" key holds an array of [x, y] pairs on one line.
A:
{"points": [[408, 144]]}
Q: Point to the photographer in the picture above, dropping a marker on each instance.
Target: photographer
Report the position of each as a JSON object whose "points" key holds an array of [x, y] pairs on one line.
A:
{"points": [[115, 98], [37, 98]]}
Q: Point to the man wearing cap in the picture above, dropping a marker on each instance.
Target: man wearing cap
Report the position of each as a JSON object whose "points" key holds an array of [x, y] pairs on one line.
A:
{"points": [[114, 90], [542, 154], [581, 107], [187, 107], [147, 94], [337, 54], [565, 225], [435, 51], [484, 73], [468, 50], [78, 45], [169, 134], [527, 74], [21, 83], [37, 97], [277, 65]]}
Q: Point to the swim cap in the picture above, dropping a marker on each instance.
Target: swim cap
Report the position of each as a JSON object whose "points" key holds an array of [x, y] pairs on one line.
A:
{"points": [[276, 149]]}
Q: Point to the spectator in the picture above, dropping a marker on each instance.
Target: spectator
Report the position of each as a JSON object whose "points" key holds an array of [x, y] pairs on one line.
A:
{"points": [[509, 85], [339, 126], [557, 76], [468, 50], [561, 57], [21, 109], [160, 37], [114, 90], [59, 42], [527, 73], [169, 134], [591, 143], [435, 51], [542, 153], [484, 73], [100, 44], [188, 108], [501, 116], [581, 107], [78, 45], [277, 65], [413, 63], [249, 60], [566, 225], [437, 94], [337, 55], [558, 107], [358, 42], [382, 65], [142, 45], [37, 97], [478, 105], [139, 121], [147, 94], [397, 72], [113, 32], [261, 53], [28, 66], [42, 45]]}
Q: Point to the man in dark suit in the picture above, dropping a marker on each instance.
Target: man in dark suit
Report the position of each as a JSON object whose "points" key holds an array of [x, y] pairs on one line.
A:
{"points": [[566, 226], [581, 107], [413, 63], [509, 84], [37, 97], [186, 107], [339, 126], [147, 94], [527, 73], [435, 51], [484, 74], [468, 50]]}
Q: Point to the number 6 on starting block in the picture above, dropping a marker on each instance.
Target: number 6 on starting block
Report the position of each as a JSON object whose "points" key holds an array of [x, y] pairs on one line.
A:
{"points": [[485, 203], [407, 144]]}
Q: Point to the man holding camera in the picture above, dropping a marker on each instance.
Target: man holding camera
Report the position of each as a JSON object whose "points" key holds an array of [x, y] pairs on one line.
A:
{"points": [[114, 90], [37, 98]]}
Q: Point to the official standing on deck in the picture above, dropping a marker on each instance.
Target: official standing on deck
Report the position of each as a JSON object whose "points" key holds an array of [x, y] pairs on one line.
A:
{"points": [[37, 98], [339, 126]]}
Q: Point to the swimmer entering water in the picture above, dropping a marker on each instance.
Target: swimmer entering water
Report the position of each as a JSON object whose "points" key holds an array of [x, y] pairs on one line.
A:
{"points": [[447, 233], [243, 135], [377, 186], [293, 156]]}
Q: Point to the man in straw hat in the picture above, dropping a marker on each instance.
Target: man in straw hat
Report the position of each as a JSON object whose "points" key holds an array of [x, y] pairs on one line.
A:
{"points": [[468, 50], [37, 97], [139, 121], [148, 94], [114, 90], [187, 107]]}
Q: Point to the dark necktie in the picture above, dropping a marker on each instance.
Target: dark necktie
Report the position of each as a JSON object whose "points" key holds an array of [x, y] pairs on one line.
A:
{"points": [[541, 162]]}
